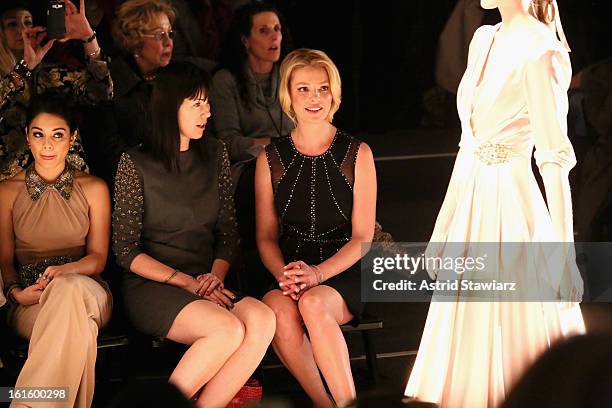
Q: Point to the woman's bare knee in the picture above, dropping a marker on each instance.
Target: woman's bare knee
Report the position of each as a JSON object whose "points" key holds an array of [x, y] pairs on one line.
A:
{"points": [[288, 320], [312, 305], [203, 319], [323, 302], [256, 317], [232, 330], [285, 309]]}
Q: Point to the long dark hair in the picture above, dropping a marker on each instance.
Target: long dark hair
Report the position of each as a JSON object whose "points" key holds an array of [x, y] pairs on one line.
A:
{"points": [[175, 83], [234, 56]]}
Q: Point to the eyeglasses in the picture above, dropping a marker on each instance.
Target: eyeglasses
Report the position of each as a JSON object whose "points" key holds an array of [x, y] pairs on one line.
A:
{"points": [[161, 35]]}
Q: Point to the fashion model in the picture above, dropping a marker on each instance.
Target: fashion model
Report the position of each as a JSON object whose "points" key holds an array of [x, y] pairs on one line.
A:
{"points": [[513, 96]]}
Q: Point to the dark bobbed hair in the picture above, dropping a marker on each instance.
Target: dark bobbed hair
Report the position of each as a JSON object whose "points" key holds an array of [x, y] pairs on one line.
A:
{"points": [[53, 104], [175, 83], [234, 56]]}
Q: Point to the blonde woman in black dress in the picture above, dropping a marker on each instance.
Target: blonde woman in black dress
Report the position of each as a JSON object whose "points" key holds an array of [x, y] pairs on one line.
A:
{"points": [[316, 205]]}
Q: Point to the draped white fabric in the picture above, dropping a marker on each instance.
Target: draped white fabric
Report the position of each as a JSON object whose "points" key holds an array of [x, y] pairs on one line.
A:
{"points": [[513, 94]]}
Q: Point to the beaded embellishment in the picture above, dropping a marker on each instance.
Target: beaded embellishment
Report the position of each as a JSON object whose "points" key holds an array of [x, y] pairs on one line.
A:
{"points": [[29, 273], [36, 186], [493, 153], [128, 214], [315, 173]]}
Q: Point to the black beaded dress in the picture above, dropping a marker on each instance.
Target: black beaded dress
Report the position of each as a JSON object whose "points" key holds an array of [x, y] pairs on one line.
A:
{"points": [[183, 220], [313, 197]]}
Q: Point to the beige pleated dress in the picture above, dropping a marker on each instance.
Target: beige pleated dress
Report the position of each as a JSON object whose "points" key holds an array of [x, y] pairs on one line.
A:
{"points": [[51, 224], [472, 352]]}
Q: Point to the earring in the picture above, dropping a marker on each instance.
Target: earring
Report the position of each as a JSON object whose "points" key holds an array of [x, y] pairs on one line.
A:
{"points": [[72, 141]]}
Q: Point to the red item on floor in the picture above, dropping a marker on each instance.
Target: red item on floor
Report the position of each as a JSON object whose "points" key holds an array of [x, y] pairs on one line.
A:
{"points": [[250, 393]]}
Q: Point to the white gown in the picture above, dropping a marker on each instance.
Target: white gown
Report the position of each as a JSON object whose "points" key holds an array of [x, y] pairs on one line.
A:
{"points": [[471, 353]]}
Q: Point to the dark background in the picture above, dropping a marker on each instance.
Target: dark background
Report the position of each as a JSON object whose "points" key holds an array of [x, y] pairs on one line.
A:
{"points": [[386, 50]]}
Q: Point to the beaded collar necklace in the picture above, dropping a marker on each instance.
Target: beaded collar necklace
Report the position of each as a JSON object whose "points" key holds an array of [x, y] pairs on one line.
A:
{"points": [[36, 186]]}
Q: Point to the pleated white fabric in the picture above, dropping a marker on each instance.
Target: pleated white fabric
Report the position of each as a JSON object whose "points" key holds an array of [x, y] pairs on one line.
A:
{"points": [[513, 93]]}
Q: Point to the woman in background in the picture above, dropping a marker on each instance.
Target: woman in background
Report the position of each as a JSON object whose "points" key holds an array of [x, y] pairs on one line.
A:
{"points": [[244, 93], [248, 115], [23, 74], [143, 34]]}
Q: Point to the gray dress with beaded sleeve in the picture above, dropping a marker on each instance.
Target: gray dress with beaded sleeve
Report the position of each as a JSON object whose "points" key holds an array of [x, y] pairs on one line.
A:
{"points": [[183, 220], [313, 197]]}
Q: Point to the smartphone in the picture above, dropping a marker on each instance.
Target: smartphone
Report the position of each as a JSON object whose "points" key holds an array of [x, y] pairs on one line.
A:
{"points": [[56, 19]]}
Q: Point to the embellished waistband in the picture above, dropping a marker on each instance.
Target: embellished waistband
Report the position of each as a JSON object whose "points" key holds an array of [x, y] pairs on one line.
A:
{"points": [[319, 240], [339, 234], [493, 153], [490, 153], [29, 273]]}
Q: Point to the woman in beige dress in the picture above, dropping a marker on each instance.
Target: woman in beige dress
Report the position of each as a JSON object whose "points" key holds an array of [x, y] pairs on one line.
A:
{"points": [[513, 96], [54, 236]]}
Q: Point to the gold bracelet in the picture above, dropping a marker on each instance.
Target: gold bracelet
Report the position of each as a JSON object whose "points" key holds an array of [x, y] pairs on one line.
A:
{"points": [[319, 273], [172, 275]]}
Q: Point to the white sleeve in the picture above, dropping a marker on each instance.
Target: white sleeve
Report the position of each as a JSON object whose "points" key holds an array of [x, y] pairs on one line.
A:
{"points": [[545, 83]]}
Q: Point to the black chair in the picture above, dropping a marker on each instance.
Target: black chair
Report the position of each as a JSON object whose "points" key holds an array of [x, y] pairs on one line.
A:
{"points": [[367, 324]]}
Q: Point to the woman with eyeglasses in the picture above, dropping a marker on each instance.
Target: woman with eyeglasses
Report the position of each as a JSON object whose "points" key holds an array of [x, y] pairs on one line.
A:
{"points": [[23, 73], [143, 34]]}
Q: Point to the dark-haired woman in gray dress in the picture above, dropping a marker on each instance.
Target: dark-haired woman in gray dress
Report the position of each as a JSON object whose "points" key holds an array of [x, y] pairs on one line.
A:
{"points": [[175, 235]]}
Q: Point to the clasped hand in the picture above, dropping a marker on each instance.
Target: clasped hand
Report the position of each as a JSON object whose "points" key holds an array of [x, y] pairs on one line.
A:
{"points": [[50, 273], [31, 295], [297, 278], [210, 287]]}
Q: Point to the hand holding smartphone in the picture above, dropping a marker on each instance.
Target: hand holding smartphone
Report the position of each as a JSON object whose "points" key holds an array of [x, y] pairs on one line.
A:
{"points": [[56, 19]]}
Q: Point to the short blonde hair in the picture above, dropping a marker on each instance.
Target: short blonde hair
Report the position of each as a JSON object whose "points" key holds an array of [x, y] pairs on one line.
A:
{"points": [[135, 18], [305, 57]]}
